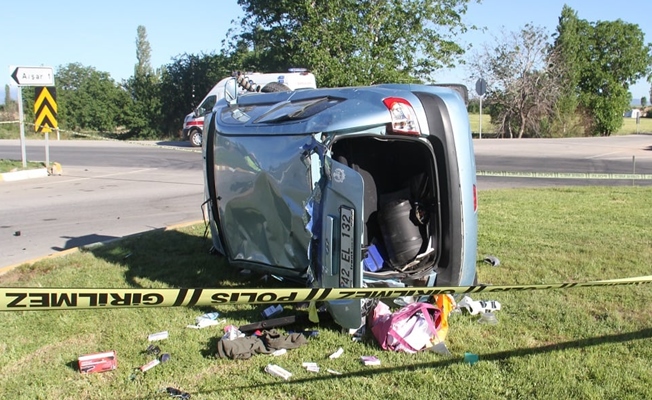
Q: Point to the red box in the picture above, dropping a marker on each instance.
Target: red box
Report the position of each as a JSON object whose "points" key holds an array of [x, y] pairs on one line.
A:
{"points": [[98, 362]]}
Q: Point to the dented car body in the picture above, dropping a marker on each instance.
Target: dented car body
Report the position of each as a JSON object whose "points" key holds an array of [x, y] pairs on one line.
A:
{"points": [[345, 187]]}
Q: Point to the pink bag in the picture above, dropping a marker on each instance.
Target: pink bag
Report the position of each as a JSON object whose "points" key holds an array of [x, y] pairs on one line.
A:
{"points": [[408, 329]]}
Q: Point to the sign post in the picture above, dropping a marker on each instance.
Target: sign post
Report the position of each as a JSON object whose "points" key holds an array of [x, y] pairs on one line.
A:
{"points": [[481, 89], [30, 76]]}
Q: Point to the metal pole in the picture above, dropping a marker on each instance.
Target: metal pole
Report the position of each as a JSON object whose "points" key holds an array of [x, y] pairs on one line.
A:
{"points": [[47, 150], [480, 117], [23, 153]]}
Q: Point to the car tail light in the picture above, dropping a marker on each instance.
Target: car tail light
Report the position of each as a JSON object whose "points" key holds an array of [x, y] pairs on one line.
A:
{"points": [[404, 119], [475, 198]]}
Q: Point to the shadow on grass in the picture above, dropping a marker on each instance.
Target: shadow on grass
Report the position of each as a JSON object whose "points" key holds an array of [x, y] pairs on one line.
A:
{"points": [[183, 260], [497, 356]]}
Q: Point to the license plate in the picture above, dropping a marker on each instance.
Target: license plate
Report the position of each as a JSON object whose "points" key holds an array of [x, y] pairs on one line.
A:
{"points": [[347, 230]]}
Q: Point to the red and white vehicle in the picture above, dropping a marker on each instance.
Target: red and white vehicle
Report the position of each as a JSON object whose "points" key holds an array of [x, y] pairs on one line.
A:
{"points": [[193, 124]]}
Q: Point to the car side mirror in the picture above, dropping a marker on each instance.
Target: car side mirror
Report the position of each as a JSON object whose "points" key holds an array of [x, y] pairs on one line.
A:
{"points": [[231, 91]]}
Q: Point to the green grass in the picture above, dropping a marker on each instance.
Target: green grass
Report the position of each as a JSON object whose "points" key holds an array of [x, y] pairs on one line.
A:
{"points": [[17, 165], [588, 343]]}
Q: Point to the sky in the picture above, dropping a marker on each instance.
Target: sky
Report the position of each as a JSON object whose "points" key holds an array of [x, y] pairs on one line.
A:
{"points": [[103, 34]]}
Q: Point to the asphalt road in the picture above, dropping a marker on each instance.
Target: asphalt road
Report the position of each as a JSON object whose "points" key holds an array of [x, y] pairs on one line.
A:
{"points": [[112, 189], [107, 190]]}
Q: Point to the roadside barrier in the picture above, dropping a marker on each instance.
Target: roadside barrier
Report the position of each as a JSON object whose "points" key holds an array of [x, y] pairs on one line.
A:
{"points": [[564, 175], [28, 298]]}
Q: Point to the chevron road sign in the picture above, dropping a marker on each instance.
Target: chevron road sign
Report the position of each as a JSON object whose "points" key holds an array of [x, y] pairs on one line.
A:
{"points": [[45, 109]]}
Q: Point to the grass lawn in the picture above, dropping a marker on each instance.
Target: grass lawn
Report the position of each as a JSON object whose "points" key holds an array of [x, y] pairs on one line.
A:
{"points": [[17, 165], [629, 125], [588, 343]]}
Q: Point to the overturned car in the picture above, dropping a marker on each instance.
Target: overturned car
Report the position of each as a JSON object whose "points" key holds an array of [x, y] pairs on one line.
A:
{"points": [[369, 186]]}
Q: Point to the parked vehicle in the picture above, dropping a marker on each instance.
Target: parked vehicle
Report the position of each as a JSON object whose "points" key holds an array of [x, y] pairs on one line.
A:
{"points": [[369, 186], [193, 123]]}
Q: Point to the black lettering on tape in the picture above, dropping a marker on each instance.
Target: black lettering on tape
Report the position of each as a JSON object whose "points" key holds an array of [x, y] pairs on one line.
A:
{"points": [[196, 295], [219, 298], [18, 298], [92, 298], [266, 297], [118, 301], [63, 299], [152, 299], [288, 299]]}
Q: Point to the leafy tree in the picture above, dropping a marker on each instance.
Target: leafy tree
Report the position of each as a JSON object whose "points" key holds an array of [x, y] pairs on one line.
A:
{"points": [[145, 112], [523, 83], [88, 99], [351, 42], [185, 82], [608, 57], [564, 54], [10, 106], [643, 101]]}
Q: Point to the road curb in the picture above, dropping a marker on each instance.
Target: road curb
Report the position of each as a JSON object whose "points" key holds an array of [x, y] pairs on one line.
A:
{"points": [[91, 246], [25, 174]]}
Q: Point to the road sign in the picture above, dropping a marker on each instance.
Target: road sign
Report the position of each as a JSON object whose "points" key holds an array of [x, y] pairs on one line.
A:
{"points": [[33, 76], [45, 109], [481, 87]]}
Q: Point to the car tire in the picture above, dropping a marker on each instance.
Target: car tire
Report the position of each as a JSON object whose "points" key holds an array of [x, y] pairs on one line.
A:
{"points": [[195, 138]]}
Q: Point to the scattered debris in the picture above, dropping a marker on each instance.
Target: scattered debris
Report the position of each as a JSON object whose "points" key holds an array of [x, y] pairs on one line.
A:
{"points": [[272, 311], [158, 336], [471, 358], [150, 365], [275, 370], [337, 354], [310, 366], [177, 394], [98, 362], [332, 371], [17, 233], [370, 360], [476, 307], [488, 318], [492, 260], [279, 352]]}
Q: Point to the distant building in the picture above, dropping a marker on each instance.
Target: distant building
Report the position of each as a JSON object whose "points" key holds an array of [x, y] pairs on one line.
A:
{"points": [[634, 113]]}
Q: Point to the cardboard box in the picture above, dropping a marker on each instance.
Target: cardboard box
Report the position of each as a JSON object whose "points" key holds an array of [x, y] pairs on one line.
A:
{"points": [[98, 362]]}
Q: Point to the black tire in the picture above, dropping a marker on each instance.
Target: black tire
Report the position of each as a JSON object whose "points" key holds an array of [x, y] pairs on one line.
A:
{"points": [[273, 87], [195, 138]]}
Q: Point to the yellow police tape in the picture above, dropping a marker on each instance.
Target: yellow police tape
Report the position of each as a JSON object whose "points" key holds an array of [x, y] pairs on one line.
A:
{"points": [[28, 298], [563, 175]]}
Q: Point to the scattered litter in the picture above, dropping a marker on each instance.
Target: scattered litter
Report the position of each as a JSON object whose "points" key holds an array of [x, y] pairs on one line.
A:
{"points": [[17, 233], [231, 333], [492, 260], [165, 357], [310, 366], [152, 349], [208, 316], [98, 362], [471, 358], [440, 348], [272, 311], [475, 307], [488, 318], [150, 365], [370, 360], [306, 333], [337, 354], [177, 394], [275, 370], [332, 371], [158, 336], [279, 352], [404, 300]]}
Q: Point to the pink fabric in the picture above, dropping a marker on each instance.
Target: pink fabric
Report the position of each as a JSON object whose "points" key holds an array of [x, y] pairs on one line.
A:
{"points": [[384, 324]]}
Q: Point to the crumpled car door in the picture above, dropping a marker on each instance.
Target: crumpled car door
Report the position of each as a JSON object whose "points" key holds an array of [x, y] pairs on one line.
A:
{"points": [[339, 232]]}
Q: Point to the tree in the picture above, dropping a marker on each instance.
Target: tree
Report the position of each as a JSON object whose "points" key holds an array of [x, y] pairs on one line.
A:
{"points": [[184, 83], [564, 55], [88, 99], [351, 42], [610, 57], [145, 112], [524, 85], [10, 106], [643, 101]]}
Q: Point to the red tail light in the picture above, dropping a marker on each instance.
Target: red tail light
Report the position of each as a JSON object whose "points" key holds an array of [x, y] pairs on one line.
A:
{"points": [[404, 119], [475, 198]]}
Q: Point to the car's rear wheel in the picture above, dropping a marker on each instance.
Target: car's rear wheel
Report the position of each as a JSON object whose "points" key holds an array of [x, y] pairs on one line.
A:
{"points": [[195, 138]]}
